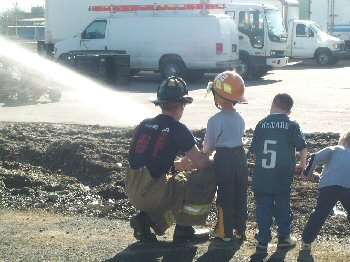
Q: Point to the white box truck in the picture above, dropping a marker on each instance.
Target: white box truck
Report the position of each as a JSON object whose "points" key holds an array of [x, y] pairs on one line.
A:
{"points": [[306, 40], [64, 18], [184, 44], [262, 37], [333, 16]]}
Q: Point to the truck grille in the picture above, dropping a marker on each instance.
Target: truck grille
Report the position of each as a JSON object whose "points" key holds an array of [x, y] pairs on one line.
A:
{"points": [[279, 53], [341, 46]]}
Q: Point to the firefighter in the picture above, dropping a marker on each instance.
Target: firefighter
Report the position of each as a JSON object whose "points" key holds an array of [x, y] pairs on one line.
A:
{"points": [[152, 182]]}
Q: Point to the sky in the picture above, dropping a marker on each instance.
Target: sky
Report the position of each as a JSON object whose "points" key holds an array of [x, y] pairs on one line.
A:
{"points": [[23, 4]]}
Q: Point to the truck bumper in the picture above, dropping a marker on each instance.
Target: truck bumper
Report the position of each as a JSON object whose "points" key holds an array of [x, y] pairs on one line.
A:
{"points": [[341, 54], [277, 61], [227, 64]]}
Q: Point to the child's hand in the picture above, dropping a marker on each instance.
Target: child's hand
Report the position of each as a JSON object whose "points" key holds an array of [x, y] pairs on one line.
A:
{"points": [[183, 164], [315, 177]]}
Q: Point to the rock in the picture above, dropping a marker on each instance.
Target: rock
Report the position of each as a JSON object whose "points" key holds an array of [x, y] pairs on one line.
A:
{"points": [[53, 197]]}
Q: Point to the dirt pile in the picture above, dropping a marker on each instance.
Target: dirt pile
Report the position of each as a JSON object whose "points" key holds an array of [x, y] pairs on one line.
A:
{"points": [[74, 169]]}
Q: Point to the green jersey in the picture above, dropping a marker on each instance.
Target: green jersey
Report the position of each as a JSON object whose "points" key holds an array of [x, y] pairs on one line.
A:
{"points": [[275, 140]]}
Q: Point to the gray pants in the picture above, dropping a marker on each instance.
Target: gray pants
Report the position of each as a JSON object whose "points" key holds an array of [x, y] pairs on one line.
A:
{"points": [[231, 172]]}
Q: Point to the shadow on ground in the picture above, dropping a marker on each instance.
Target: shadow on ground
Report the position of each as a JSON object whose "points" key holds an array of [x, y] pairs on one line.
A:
{"points": [[159, 251]]}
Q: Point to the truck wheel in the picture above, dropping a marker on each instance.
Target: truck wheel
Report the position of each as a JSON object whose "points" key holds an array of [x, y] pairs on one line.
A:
{"points": [[260, 72], [244, 69], [173, 68], [194, 75], [334, 60], [35, 95], [324, 58]]}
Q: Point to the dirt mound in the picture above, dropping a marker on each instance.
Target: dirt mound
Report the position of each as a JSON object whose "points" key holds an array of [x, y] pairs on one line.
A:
{"points": [[75, 169]]}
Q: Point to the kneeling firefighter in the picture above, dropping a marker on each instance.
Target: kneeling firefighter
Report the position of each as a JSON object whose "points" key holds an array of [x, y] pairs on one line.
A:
{"points": [[151, 183]]}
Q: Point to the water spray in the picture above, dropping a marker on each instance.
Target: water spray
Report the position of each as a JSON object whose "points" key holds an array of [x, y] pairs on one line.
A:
{"points": [[108, 102]]}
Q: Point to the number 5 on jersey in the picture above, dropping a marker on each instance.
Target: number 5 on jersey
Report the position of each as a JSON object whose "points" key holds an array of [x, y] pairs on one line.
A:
{"points": [[270, 160]]}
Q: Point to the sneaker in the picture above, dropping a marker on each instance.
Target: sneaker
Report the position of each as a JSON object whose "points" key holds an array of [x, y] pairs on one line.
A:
{"points": [[185, 234], [142, 231], [287, 242], [215, 234], [261, 248], [305, 247]]}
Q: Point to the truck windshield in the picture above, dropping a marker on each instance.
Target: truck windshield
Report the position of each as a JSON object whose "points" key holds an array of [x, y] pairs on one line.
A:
{"points": [[251, 23], [96, 30], [275, 27], [316, 28]]}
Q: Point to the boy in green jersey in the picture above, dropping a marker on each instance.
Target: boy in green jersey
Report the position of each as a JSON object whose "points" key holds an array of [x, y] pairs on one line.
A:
{"points": [[275, 140]]}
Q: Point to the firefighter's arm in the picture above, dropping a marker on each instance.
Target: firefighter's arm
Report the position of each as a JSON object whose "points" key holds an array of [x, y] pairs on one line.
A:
{"points": [[199, 160]]}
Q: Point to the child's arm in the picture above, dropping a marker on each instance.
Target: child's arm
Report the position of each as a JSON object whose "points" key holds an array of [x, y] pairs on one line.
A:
{"points": [[299, 168], [209, 138], [320, 157], [303, 158]]}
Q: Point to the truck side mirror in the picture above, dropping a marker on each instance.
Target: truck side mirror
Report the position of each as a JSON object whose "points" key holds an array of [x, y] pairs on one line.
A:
{"points": [[82, 35], [310, 32]]}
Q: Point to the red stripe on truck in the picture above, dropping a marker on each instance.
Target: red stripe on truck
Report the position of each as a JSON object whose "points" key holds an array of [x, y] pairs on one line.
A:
{"points": [[121, 8]]}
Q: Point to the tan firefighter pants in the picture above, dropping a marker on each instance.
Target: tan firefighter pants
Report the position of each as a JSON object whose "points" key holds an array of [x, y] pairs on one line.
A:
{"points": [[185, 198]]}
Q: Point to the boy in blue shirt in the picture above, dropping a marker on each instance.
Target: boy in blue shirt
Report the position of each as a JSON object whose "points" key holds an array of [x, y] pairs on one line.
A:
{"points": [[275, 140], [334, 186]]}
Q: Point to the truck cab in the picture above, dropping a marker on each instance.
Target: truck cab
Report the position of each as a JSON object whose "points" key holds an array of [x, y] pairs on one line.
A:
{"points": [[307, 40], [262, 38]]}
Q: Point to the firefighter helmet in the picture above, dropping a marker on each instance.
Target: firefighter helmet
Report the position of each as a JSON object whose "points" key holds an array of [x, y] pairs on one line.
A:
{"points": [[172, 90], [230, 86]]}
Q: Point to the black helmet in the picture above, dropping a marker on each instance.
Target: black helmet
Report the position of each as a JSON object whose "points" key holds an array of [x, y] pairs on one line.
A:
{"points": [[172, 90]]}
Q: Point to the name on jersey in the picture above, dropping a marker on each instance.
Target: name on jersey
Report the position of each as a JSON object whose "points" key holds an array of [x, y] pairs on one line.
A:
{"points": [[156, 127], [279, 125]]}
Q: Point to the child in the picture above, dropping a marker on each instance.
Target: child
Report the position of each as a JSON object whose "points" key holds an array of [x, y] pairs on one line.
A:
{"points": [[334, 186], [224, 136], [275, 140]]}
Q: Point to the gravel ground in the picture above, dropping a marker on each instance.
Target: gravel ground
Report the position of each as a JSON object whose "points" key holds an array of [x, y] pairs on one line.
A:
{"points": [[62, 198]]}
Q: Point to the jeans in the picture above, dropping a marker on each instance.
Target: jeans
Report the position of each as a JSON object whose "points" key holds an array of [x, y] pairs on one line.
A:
{"points": [[327, 198], [269, 205]]}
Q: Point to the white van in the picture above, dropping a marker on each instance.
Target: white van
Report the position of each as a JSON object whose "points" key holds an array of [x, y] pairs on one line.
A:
{"points": [[169, 44]]}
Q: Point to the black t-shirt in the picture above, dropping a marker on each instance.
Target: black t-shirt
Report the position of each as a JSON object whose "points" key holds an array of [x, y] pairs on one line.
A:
{"points": [[156, 143]]}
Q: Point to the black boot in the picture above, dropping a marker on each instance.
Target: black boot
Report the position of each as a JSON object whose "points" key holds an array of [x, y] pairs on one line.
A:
{"points": [[141, 228], [185, 234]]}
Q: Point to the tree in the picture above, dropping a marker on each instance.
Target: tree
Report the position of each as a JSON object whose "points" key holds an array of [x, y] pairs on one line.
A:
{"points": [[10, 18]]}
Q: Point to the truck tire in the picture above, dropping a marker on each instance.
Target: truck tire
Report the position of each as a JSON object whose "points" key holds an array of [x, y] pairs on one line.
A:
{"points": [[173, 68], [259, 72], [324, 57], [334, 60], [245, 68], [194, 75]]}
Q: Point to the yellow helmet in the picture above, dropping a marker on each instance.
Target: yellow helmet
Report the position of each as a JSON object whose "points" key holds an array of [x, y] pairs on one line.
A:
{"points": [[230, 86]]}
